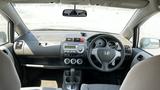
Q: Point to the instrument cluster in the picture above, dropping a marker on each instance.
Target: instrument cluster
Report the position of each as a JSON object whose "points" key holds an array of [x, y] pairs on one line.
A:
{"points": [[106, 43]]}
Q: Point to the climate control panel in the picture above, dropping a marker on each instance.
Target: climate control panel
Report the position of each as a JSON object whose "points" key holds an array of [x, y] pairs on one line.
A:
{"points": [[73, 61]]}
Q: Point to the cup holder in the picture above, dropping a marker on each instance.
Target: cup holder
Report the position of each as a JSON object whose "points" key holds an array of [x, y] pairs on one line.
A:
{"points": [[75, 80], [68, 79], [67, 73]]}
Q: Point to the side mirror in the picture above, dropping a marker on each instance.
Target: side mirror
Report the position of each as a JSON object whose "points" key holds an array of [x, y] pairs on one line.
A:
{"points": [[74, 13], [149, 43]]}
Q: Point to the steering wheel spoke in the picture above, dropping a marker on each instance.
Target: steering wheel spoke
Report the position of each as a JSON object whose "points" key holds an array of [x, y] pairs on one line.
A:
{"points": [[105, 66], [118, 54], [94, 52]]}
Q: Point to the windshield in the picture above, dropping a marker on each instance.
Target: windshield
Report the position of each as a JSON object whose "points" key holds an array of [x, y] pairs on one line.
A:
{"points": [[49, 16]]}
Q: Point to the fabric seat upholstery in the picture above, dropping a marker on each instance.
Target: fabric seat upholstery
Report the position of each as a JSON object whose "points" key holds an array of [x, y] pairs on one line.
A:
{"points": [[99, 87], [40, 88], [143, 76], [9, 79]]}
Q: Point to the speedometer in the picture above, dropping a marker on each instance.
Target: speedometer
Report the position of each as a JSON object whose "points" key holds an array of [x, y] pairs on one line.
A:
{"points": [[100, 43]]}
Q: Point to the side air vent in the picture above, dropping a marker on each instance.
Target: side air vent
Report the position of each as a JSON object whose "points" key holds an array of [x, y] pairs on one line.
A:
{"points": [[128, 49], [19, 45]]}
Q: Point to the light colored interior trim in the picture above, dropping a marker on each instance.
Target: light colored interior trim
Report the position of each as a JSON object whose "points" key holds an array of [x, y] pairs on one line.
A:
{"points": [[140, 16], [9, 10]]}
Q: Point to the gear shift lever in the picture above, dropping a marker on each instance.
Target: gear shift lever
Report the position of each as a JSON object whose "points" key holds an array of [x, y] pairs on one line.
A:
{"points": [[72, 79], [72, 71]]}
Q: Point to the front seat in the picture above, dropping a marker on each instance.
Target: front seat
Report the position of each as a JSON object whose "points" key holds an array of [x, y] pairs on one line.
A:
{"points": [[143, 76], [9, 79], [99, 87]]}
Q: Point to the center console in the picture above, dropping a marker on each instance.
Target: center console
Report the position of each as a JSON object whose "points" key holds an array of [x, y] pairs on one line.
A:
{"points": [[74, 53], [71, 79]]}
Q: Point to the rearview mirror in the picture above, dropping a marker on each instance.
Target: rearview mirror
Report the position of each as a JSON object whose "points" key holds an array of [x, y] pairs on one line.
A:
{"points": [[74, 13], [149, 43]]}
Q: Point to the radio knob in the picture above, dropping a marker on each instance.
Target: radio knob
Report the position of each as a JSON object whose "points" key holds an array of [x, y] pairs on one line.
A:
{"points": [[73, 61], [80, 50], [67, 61], [79, 61]]}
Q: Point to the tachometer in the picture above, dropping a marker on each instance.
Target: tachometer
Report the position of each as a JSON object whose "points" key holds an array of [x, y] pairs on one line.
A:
{"points": [[113, 45]]}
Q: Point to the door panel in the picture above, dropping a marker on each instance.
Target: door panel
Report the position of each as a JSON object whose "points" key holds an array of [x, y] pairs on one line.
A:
{"points": [[139, 55]]}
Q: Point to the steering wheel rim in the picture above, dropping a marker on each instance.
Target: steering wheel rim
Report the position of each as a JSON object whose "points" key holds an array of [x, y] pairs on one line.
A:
{"points": [[103, 62]]}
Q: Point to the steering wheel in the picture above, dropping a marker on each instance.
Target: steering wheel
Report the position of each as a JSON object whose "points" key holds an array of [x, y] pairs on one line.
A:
{"points": [[105, 55]]}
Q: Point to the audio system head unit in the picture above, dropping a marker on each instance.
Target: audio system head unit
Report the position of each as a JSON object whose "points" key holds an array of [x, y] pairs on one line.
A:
{"points": [[73, 48]]}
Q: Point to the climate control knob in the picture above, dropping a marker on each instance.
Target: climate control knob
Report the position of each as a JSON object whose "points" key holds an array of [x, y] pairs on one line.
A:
{"points": [[67, 61], [73, 61], [80, 49], [79, 61]]}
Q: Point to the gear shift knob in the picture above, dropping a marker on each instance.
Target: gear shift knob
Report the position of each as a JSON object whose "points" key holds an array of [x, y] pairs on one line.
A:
{"points": [[72, 70]]}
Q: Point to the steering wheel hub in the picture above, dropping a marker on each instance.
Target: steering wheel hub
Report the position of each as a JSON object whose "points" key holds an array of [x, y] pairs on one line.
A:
{"points": [[106, 54]]}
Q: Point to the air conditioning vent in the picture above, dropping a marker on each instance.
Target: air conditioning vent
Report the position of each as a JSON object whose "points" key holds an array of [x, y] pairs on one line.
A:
{"points": [[128, 49], [19, 45]]}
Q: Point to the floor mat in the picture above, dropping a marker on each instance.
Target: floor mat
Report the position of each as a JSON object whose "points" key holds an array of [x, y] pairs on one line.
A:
{"points": [[49, 83]]}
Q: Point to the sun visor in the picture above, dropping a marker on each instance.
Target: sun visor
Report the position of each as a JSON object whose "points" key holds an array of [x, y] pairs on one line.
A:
{"points": [[79, 2], [121, 3], [34, 1], [112, 3], [131, 4]]}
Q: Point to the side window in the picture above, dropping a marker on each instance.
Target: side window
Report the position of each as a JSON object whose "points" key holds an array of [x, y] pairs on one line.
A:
{"points": [[149, 39], [3, 30]]}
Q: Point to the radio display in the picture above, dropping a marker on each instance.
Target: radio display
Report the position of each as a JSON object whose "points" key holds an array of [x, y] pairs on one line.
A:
{"points": [[70, 47]]}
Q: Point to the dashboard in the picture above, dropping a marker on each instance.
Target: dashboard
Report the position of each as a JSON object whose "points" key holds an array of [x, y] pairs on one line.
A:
{"points": [[61, 49]]}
